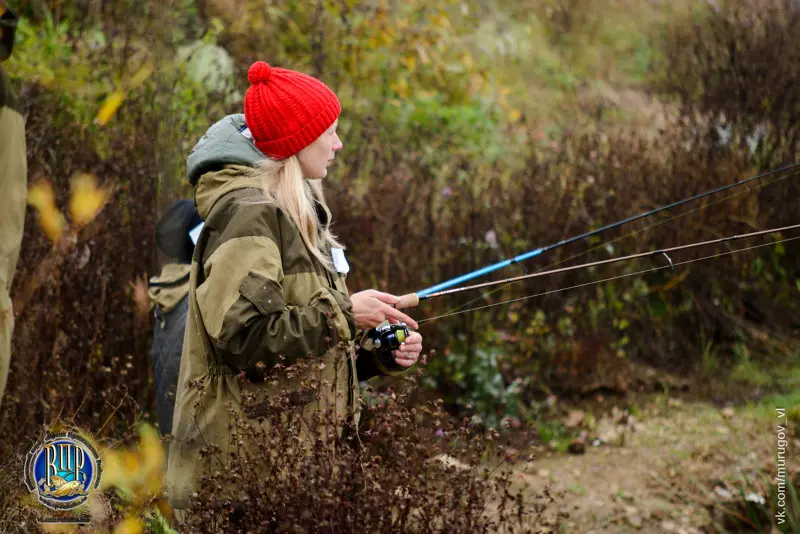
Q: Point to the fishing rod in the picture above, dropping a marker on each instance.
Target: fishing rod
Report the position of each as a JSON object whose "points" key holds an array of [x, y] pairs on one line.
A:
{"points": [[410, 300], [603, 244], [610, 279]]}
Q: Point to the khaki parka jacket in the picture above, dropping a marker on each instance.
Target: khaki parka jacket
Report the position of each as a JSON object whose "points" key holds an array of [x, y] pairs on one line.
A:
{"points": [[257, 297]]}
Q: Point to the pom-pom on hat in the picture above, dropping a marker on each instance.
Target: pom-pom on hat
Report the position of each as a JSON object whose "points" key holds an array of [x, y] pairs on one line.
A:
{"points": [[286, 110]]}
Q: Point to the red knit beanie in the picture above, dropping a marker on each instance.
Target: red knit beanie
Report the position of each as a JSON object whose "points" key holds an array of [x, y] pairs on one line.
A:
{"points": [[286, 110]]}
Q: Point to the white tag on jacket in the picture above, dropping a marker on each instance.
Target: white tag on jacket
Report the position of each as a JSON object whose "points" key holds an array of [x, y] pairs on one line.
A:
{"points": [[339, 261], [194, 233]]}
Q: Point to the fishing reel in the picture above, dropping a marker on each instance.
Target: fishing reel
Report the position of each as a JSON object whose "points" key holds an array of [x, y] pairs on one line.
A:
{"points": [[385, 337]]}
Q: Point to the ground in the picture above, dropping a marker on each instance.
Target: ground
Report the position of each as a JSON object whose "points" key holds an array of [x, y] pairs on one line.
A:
{"points": [[681, 467]]}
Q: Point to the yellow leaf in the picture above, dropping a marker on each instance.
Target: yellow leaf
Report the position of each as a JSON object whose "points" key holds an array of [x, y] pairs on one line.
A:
{"points": [[138, 471], [130, 525], [113, 475], [401, 88], [41, 195], [164, 507], [141, 75], [467, 60], [411, 62], [130, 463], [52, 224], [51, 221], [87, 199], [110, 107], [514, 115], [151, 449]]}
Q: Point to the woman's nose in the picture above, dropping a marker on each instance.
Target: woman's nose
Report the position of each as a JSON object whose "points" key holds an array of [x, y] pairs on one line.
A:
{"points": [[337, 144]]}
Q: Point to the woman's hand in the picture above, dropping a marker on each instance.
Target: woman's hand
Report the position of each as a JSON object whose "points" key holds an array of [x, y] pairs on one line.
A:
{"points": [[372, 307], [408, 353]]}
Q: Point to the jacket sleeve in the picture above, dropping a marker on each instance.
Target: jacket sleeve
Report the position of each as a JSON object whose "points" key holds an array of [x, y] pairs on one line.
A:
{"points": [[242, 304]]}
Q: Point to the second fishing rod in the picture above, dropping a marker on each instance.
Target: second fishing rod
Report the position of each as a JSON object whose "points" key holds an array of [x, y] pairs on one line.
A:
{"points": [[536, 252], [412, 299]]}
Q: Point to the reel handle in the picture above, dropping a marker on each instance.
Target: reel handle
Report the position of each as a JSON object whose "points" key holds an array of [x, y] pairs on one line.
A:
{"points": [[408, 300]]}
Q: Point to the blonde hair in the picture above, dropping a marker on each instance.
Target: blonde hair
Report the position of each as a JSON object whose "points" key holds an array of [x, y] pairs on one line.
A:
{"points": [[284, 185]]}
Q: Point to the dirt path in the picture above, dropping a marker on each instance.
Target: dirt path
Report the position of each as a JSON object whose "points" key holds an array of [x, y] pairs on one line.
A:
{"points": [[677, 468]]}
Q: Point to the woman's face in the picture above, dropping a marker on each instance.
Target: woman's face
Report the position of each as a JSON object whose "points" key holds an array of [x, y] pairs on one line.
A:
{"points": [[319, 155]]}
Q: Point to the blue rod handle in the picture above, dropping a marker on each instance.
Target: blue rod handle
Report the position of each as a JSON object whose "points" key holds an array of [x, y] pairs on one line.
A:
{"points": [[479, 272]]}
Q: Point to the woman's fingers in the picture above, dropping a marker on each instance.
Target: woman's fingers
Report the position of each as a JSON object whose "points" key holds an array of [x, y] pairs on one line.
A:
{"points": [[392, 313], [408, 353], [406, 363], [372, 307], [384, 297], [413, 343], [404, 360]]}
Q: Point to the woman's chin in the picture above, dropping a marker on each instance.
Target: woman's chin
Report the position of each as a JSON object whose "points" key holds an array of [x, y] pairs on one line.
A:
{"points": [[317, 176]]}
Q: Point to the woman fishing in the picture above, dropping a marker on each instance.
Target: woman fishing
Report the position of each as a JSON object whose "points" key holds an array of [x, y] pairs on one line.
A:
{"points": [[268, 275]]}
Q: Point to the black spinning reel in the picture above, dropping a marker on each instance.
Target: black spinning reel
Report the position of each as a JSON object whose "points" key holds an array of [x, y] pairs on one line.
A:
{"points": [[385, 337]]}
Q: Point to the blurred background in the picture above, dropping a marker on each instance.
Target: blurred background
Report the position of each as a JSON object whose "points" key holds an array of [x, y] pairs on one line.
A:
{"points": [[473, 131]]}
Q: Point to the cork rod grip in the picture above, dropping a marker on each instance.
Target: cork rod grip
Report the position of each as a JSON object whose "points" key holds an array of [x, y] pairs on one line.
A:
{"points": [[407, 301]]}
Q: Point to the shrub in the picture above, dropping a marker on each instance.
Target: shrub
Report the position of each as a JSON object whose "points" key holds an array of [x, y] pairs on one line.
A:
{"points": [[412, 469], [733, 68]]}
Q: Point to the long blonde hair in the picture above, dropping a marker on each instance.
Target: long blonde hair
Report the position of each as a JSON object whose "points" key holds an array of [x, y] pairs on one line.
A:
{"points": [[283, 184]]}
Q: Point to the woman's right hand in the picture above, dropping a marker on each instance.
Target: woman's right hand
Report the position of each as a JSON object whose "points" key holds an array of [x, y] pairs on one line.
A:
{"points": [[372, 307]]}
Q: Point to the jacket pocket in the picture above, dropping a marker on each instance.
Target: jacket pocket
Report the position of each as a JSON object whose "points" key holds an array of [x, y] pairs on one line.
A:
{"points": [[265, 294]]}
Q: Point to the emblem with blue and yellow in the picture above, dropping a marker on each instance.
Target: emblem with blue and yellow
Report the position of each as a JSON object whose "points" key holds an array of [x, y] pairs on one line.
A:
{"points": [[63, 469]]}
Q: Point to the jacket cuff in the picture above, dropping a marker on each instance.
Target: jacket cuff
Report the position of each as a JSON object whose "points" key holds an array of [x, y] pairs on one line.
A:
{"points": [[340, 309], [346, 307]]}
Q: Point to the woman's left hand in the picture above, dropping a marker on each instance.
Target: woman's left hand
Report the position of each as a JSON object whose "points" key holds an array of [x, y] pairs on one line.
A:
{"points": [[408, 353]]}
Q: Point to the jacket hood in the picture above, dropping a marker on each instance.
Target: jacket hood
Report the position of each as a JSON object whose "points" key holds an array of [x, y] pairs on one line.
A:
{"points": [[170, 287], [226, 143], [212, 186]]}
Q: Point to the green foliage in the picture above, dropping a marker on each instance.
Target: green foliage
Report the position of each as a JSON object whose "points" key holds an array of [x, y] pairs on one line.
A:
{"points": [[477, 385], [158, 524], [790, 402], [746, 370]]}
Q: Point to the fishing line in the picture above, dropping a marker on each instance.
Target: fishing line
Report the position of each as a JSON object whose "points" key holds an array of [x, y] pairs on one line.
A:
{"points": [[662, 251], [604, 244], [532, 253], [644, 271]]}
